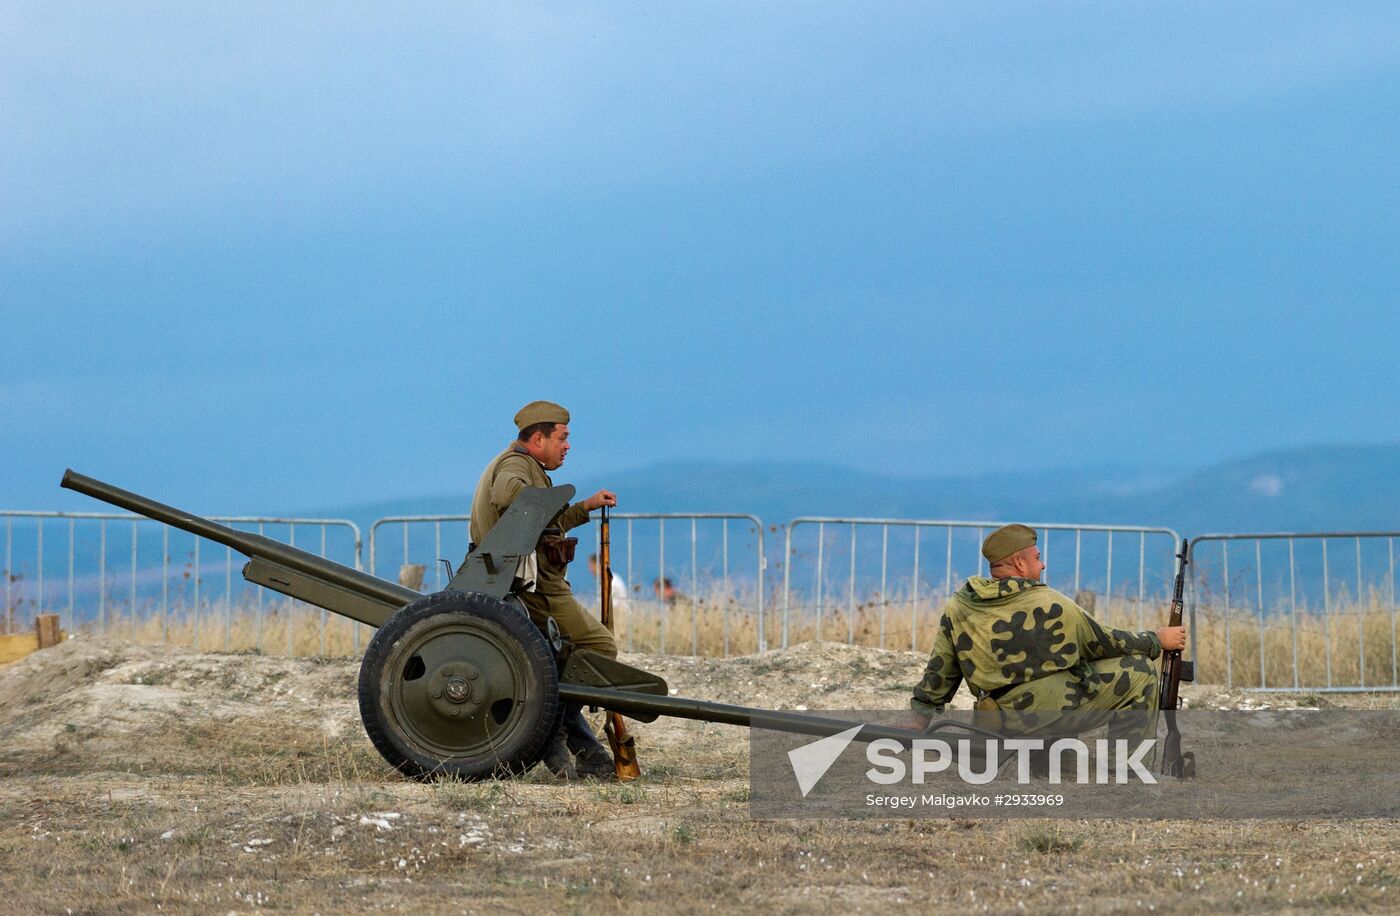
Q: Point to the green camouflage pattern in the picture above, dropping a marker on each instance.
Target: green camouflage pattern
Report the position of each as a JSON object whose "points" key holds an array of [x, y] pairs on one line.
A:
{"points": [[508, 473], [1120, 692], [1034, 649]]}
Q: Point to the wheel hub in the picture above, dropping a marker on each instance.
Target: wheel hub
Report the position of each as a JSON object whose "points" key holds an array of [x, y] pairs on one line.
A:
{"points": [[457, 685], [452, 690]]}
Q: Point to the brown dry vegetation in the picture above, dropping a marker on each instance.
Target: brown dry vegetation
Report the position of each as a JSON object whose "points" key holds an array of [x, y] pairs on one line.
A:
{"points": [[1329, 648], [138, 777]]}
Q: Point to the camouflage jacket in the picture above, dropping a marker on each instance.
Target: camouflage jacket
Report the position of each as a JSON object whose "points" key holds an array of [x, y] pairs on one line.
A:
{"points": [[996, 633], [508, 473]]}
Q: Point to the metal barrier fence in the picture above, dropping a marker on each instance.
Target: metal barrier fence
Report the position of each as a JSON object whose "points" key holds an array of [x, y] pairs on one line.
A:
{"points": [[1269, 612], [121, 571], [913, 583], [724, 581], [415, 547], [1298, 611], [721, 557]]}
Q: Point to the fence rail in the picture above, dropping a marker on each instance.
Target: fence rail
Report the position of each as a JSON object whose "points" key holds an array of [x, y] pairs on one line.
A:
{"points": [[914, 584], [721, 587], [716, 557], [1292, 611], [108, 578], [1327, 598], [407, 524]]}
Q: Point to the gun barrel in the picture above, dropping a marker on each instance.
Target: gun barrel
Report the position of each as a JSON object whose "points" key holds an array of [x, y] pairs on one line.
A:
{"points": [[630, 701], [370, 600], [241, 541]]}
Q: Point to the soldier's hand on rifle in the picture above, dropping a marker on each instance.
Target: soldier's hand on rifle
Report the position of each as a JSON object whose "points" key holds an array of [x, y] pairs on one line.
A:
{"points": [[599, 500], [1173, 639]]}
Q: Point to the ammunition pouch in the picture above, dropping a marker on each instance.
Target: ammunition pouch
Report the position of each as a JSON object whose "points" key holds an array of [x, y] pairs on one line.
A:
{"points": [[987, 714], [557, 549]]}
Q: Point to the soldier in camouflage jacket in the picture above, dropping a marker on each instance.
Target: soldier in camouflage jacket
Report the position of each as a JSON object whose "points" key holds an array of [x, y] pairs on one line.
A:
{"points": [[1021, 645]]}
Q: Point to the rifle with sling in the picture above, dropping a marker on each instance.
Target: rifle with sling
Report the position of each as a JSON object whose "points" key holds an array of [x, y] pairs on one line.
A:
{"points": [[1175, 762], [624, 746]]}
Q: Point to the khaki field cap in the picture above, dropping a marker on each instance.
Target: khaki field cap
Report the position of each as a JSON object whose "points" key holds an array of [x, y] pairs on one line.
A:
{"points": [[540, 412], [1005, 541]]}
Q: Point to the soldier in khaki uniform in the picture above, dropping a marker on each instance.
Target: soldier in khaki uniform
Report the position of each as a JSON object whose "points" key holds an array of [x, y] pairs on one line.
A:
{"points": [[1021, 645], [540, 446]]}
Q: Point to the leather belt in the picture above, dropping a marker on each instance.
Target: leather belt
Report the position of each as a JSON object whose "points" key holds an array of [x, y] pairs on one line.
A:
{"points": [[1000, 692]]}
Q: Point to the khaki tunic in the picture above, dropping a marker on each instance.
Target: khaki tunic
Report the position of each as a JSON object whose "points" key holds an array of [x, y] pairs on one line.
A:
{"points": [[507, 474]]}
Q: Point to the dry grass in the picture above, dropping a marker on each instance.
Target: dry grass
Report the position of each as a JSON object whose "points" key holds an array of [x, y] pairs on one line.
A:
{"points": [[1329, 647], [682, 844], [279, 627], [231, 799]]}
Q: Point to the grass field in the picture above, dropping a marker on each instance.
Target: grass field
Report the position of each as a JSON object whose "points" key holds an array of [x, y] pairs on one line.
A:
{"points": [[1329, 648], [138, 778]]}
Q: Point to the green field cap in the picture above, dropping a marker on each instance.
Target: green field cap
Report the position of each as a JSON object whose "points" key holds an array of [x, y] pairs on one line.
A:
{"points": [[1006, 540], [540, 412]]}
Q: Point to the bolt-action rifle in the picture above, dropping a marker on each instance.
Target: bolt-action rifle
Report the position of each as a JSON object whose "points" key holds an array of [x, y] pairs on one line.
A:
{"points": [[1176, 763], [624, 746]]}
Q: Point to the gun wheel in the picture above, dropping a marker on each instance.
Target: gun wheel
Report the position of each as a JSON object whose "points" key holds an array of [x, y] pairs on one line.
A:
{"points": [[459, 685]]}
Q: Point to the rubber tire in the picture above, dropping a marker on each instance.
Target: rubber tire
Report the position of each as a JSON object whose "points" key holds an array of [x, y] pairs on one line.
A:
{"points": [[524, 746], [513, 601]]}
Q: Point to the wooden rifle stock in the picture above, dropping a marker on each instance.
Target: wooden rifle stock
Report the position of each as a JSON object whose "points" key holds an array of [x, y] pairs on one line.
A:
{"points": [[624, 746], [1174, 761]]}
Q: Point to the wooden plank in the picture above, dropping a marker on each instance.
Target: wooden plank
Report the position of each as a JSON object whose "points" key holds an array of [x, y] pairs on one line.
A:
{"points": [[47, 627]]}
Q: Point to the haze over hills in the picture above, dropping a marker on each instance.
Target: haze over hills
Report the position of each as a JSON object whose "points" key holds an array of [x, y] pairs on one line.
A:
{"points": [[1323, 488], [1315, 488]]}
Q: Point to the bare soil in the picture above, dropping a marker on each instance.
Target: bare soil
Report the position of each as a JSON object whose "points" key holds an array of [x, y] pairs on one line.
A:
{"points": [[140, 778]]}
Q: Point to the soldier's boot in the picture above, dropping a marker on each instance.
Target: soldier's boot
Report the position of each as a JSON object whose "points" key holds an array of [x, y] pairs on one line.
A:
{"points": [[591, 758], [558, 759]]}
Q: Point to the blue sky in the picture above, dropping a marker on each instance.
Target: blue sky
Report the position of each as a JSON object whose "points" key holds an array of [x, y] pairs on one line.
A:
{"points": [[265, 259]]}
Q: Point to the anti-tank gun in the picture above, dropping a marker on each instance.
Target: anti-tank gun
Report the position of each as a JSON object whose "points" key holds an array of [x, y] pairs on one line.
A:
{"points": [[460, 682]]}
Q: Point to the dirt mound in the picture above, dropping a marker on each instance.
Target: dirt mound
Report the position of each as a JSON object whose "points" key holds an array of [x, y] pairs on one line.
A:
{"points": [[94, 705], [91, 689], [91, 705], [810, 675]]}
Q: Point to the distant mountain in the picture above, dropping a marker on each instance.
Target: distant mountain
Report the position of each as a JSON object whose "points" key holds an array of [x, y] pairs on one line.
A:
{"points": [[778, 491], [1317, 488], [1332, 488]]}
